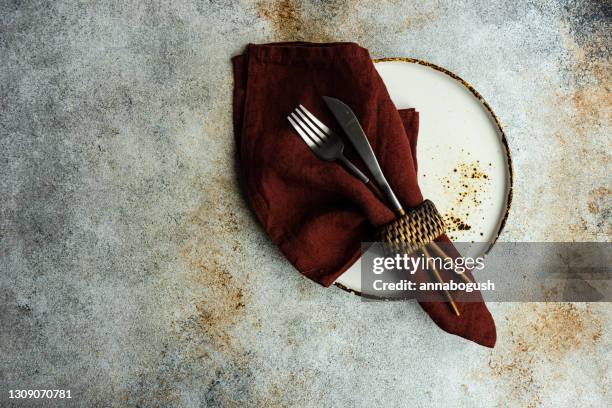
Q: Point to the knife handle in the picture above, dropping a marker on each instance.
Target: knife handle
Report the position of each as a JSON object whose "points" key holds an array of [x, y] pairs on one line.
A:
{"points": [[392, 199], [372, 186]]}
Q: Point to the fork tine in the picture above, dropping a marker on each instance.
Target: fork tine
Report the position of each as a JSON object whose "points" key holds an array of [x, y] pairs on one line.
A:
{"points": [[303, 135], [312, 117], [312, 127], [307, 127]]}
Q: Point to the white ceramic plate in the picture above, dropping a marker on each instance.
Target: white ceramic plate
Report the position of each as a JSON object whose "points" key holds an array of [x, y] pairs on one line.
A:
{"points": [[463, 159]]}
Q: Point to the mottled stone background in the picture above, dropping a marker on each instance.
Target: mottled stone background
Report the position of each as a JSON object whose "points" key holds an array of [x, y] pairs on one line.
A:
{"points": [[133, 273]]}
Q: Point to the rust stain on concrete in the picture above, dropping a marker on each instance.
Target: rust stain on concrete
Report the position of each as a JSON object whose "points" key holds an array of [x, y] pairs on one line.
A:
{"points": [[540, 335], [589, 78], [599, 205], [216, 265], [339, 20], [598, 201], [212, 322], [290, 21], [224, 303], [419, 17], [583, 152]]}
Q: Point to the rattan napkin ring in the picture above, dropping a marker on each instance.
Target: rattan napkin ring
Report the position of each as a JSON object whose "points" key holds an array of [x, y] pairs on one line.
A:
{"points": [[416, 228]]}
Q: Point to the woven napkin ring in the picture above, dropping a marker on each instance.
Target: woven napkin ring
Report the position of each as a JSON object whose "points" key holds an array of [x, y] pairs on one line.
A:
{"points": [[413, 230]]}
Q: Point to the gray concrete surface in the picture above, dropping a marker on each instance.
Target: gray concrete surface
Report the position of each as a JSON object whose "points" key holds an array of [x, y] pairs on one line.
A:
{"points": [[133, 273]]}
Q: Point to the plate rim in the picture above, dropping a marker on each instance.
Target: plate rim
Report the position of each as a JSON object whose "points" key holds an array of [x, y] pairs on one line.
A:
{"points": [[503, 139]]}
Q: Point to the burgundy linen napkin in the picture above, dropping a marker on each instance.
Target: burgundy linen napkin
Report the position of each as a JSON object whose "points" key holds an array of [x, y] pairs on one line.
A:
{"points": [[316, 212]]}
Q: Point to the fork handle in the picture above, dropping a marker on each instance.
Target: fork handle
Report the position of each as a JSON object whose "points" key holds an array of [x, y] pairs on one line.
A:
{"points": [[358, 173], [375, 190]]}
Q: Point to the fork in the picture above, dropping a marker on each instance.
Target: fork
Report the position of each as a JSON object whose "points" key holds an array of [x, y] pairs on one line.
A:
{"points": [[323, 142]]}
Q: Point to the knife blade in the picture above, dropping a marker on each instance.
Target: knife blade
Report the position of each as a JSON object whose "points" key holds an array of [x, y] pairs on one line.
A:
{"points": [[350, 124]]}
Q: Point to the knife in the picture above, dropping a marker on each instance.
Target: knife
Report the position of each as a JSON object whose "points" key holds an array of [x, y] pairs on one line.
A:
{"points": [[349, 123]]}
